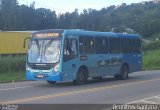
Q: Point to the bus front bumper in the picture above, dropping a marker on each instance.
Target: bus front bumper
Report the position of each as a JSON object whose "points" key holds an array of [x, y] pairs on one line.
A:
{"points": [[41, 76]]}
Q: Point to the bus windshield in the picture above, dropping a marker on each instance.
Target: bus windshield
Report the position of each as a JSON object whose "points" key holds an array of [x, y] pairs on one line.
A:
{"points": [[44, 51]]}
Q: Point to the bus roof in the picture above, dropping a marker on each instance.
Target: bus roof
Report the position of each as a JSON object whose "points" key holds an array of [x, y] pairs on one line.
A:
{"points": [[85, 32], [50, 31]]}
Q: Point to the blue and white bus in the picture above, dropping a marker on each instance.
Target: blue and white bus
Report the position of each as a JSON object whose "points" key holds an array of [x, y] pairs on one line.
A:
{"points": [[56, 55]]}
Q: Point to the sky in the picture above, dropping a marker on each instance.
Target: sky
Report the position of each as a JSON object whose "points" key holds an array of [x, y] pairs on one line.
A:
{"points": [[62, 6]]}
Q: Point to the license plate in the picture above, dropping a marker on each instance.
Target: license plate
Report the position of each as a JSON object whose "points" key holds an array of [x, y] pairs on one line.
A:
{"points": [[40, 76]]}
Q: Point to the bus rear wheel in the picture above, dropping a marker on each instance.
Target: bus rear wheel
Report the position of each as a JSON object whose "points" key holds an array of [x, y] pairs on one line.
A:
{"points": [[124, 72], [51, 82], [81, 77]]}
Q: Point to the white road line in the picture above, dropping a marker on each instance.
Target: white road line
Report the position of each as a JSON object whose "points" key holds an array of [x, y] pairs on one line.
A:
{"points": [[15, 88], [148, 102], [142, 99], [157, 97]]}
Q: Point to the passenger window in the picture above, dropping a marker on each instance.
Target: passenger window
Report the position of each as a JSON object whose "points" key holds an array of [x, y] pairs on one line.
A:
{"points": [[101, 45], [126, 45], [136, 47], [70, 49], [114, 46], [86, 45]]}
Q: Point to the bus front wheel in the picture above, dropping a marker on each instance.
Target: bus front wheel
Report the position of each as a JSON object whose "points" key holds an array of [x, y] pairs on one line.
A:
{"points": [[81, 77]]}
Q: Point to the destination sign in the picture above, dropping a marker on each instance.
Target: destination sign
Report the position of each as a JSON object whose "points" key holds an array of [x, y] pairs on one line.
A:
{"points": [[44, 35]]}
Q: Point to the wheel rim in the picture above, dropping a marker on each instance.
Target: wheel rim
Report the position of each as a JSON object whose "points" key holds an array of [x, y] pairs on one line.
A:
{"points": [[125, 72], [81, 78]]}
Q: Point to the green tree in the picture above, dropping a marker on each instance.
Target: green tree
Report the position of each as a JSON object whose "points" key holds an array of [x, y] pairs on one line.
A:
{"points": [[1, 21], [8, 12], [45, 18]]}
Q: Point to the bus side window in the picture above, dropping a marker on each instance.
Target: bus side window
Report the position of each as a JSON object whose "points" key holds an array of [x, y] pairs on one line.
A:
{"points": [[114, 45], [86, 45], [101, 45], [136, 46], [126, 45], [70, 49]]}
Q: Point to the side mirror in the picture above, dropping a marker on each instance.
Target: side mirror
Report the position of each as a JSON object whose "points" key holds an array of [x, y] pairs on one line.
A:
{"points": [[24, 42]]}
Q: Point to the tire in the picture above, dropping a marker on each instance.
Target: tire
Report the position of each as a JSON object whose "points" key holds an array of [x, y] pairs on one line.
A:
{"points": [[124, 72], [51, 82], [81, 77]]}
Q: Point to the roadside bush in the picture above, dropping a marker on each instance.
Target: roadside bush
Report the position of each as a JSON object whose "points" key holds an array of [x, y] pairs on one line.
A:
{"points": [[151, 46], [151, 59], [12, 64]]}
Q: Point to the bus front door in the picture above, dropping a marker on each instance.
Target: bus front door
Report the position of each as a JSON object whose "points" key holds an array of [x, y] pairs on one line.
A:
{"points": [[70, 59]]}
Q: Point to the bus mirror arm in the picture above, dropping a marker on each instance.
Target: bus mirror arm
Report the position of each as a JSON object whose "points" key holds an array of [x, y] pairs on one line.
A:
{"points": [[24, 42]]}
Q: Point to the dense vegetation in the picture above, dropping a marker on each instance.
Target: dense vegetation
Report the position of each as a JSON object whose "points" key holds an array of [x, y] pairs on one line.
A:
{"points": [[12, 68], [151, 60], [151, 46], [143, 18], [10, 64]]}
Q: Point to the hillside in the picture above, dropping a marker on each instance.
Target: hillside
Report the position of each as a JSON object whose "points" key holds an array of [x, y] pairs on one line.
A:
{"points": [[141, 18]]}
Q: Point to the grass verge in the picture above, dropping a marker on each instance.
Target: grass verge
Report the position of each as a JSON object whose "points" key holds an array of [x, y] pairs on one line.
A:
{"points": [[151, 60], [11, 77]]}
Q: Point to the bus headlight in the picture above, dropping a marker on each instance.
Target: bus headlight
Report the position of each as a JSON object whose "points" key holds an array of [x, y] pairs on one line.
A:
{"points": [[56, 67], [28, 68]]}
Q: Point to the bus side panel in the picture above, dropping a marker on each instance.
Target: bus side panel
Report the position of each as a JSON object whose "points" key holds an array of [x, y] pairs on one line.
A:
{"points": [[102, 65], [129, 60], [139, 62], [90, 61], [69, 69], [137, 59], [115, 63], [137, 54]]}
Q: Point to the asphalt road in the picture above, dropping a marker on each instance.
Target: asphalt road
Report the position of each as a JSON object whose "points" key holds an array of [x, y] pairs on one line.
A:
{"points": [[139, 86]]}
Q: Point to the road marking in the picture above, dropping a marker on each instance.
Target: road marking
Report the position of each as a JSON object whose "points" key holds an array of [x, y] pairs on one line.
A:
{"points": [[145, 100], [143, 74], [74, 92], [157, 97], [148, 102], [15, 88]]}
